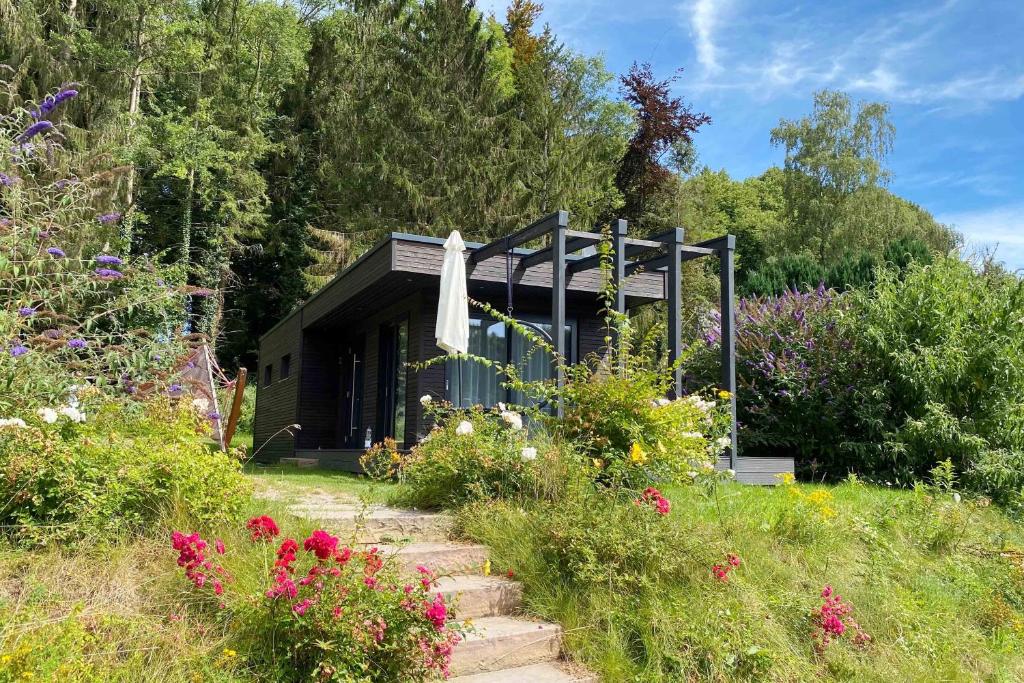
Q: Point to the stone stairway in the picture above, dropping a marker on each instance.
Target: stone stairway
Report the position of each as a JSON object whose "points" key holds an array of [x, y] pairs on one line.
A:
{"points": [[502, 646]]}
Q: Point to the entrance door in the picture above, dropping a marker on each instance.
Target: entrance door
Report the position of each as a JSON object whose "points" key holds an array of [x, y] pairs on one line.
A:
{"points": [[350, 423], [394, 350]]}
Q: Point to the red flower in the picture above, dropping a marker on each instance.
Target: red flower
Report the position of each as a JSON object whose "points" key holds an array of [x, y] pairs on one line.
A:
{"points": [[437, 612], [286, 554], [343, 556], [734, 559], [262, 528], [322, 544], [219, 545]]}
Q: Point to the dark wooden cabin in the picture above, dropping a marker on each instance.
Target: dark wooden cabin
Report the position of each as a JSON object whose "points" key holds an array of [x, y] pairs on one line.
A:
{"points": [[337, 365]]}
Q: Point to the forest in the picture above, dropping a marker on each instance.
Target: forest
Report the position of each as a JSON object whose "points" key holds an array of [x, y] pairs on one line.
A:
{"points": [[256, 147]]}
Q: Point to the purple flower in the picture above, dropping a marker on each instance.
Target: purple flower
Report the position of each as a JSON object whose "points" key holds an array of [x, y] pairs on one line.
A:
{"points": [[51, 102], [214, 415], [108, 274], [56, 251], [174, 389], [18, 350], [77, 344], [7, 181], [108, 218], [33, 130], [26, 311], [108, 260]]}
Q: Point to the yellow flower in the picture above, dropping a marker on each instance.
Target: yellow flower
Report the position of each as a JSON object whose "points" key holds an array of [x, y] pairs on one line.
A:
{"points": [[637, 455], [598, 463], [395, 457], [786, 478], [5, 659], [27, 674], [487, 567], [229, 653], [724, 395]]}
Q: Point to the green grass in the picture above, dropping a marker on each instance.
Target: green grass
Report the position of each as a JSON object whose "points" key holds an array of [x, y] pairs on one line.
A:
{"points": [[290, 484], [937, 585]]}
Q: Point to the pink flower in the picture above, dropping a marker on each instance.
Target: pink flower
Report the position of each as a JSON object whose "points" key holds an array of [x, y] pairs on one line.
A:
{"points": [[734, 559], [301, 607], [219, 545], [262, 528], [437, 612], [286, 554], [322, 544], [371, 582]]}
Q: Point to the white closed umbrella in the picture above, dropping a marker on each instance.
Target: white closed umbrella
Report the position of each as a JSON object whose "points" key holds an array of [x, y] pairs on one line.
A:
{"points": [[452, 328]]}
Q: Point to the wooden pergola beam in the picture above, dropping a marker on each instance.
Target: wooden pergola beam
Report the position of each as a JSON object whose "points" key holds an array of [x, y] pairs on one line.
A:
{"points": [[556, 220]]}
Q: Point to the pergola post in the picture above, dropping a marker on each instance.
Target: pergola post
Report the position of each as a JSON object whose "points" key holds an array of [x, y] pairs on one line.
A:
{"points": [[727, 305], [619, 280], [674, 245], [558, 283]]}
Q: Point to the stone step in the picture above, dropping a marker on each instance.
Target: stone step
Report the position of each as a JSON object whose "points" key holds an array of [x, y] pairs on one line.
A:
{"points": [[441, 558], [378, 522], [545, 672], [498, 643], [480, 596]]}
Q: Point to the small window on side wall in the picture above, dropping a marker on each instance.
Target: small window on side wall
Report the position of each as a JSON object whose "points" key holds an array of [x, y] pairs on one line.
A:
{"points": [[286, 366], [268, 374]]}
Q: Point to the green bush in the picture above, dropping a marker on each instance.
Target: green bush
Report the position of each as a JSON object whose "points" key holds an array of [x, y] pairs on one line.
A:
{"points": [[115, 472]]}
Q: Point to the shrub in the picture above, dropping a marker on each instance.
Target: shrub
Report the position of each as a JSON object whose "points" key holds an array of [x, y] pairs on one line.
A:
{"points": [[322, 611], [471, 454], [101, 467]]}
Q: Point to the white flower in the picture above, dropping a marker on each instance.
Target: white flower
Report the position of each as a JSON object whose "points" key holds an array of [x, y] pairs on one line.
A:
{"points": [[731, 473], [956, 497], [514, 420], [692, 435], [691, 474], [529, 453], [501, 407], [12, 422], [723, 442], [49, 415], [662, 401], [425, 400], [465, 428], [73, 413]]}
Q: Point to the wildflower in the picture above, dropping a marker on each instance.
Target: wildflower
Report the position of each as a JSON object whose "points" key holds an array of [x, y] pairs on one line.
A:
{"points": [[213, 415], [343, 556], [108, 260], [734, 559], [108, 218], [512, 419], [18, 350], [465, 428], [598, 462], [49, 415], [51, 102], [219, 546], [371, 582], [77, 343], [229, 654], [956, 497], [487, 567], [11, 422], [108, 274], [529, 453], [437, 612], [425, 400], [652, 496], [723, 442], [286, 554], [56, 252], [322, 544], [300, 607], [262, 528], [6, 180], [721, 573], [637, 455], [72, 413], [724, 395], [33, 130], [731, 473]]}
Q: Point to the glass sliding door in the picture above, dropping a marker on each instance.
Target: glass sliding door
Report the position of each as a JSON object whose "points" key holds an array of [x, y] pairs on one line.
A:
{"points": [[394, 355], [473, 383]]}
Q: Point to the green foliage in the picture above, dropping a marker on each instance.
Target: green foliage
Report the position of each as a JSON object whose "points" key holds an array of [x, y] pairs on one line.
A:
{"points": [[117, 471]]}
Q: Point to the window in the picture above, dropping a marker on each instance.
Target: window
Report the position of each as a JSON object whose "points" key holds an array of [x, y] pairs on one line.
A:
{"points": [[394, 355], [470, 382], [268, 374], [286, 366]]}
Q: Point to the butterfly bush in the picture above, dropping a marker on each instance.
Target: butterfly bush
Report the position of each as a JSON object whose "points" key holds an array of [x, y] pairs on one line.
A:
{"points": [[75, 307], [380, 624]]}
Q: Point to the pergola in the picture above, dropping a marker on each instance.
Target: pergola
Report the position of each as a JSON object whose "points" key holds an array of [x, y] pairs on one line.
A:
{"points": [[664, 251]]}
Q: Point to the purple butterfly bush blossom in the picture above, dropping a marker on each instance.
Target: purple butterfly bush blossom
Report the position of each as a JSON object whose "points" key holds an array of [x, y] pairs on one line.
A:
{"points": [[7, 181], [108, 218], [108, 260], [77, 343], [26, 311], [18, 350], [32, 131], [108, 274], [51, 102]]}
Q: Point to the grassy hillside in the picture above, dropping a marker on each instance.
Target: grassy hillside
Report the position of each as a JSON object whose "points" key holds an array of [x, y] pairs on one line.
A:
{"points": [[935, 582]]}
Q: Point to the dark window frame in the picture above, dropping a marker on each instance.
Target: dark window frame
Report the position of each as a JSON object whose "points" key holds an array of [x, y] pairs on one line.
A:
{"points": [[268, 374], [285, 370], [388, 387]]}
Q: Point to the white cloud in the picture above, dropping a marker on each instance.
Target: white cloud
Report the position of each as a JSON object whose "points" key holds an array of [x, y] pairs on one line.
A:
{"points": [[1000, 228], [703, 18]]}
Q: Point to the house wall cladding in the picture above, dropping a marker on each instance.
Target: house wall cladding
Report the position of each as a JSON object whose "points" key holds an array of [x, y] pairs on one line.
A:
{"points": [[318, 393], [277, 403]]}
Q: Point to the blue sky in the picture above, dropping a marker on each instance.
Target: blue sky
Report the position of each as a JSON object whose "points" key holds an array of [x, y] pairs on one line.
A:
{"points": [[953, 73]]}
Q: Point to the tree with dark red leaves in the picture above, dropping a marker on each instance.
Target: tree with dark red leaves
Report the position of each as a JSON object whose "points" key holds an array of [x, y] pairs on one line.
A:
{"points": [[662, 121]]}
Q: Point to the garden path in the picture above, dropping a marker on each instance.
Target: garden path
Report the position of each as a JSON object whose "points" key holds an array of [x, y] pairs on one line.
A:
{"points": [[502, 645]]}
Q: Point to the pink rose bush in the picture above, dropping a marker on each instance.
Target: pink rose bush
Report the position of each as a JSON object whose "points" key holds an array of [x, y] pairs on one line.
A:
{"points": [[378, 623]]}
